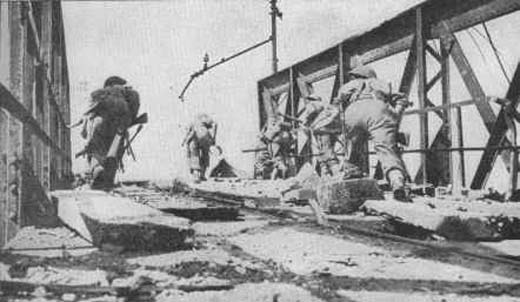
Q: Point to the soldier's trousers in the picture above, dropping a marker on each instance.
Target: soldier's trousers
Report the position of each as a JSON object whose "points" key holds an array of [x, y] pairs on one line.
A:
{"points": [[373, 119], [103, 166], [198, 156]]}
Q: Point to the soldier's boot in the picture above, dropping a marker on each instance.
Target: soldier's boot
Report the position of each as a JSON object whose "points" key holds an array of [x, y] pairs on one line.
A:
{"points": [[351, 171], [196, 175], [401, 192], [98, 178]]}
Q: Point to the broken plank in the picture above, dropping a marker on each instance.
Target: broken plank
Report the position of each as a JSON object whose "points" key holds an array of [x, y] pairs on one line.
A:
{"points": [[110, 221], [455, 220]]}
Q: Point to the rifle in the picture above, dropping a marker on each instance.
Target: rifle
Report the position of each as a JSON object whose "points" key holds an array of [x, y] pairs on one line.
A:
{"points": [[140, 121]]}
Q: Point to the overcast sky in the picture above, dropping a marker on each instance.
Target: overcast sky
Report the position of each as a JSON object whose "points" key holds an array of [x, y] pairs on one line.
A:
{"points": [[157, 45]]}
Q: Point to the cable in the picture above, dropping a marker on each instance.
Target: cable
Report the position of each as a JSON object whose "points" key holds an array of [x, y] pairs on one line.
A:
{"points": [[478, 47], [496, 53]]}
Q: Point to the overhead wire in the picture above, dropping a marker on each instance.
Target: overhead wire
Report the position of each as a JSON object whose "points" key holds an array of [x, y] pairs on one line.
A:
{"points": [[477, 46], [495, 51]]}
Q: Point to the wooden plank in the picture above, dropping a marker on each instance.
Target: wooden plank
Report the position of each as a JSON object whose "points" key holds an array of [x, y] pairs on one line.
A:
{"points": [[109, 221], [455, 220], [497, 137]]}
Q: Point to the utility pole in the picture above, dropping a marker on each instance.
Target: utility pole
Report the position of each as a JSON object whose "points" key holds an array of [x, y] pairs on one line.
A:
{"points": [[275, 12]]}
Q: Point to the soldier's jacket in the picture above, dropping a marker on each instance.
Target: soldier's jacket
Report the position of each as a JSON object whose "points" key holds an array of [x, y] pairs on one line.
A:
{"points": [[361, 89], [200, 130]]}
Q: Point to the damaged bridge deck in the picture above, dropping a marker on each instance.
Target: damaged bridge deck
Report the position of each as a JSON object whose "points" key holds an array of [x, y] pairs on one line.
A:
{"points": [[251, 249]]}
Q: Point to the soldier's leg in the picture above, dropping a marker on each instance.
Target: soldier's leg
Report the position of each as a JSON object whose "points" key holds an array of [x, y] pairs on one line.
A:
{"points": [[329, 164], [194, 159], [204, 162], [385, 145], [97, 150]]}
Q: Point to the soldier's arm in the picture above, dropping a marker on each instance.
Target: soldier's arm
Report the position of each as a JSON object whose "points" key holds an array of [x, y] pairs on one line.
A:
{"points": [[346, 91], [215, 127]]}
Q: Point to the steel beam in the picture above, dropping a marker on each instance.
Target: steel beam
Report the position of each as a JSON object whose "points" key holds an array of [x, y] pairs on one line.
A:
{"points": [[396, 35], [497, 137], [422, 92]]}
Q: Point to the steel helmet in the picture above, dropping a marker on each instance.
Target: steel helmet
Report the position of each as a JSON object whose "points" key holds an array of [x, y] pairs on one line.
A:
{"points": [[363, 71], [114, 80]]}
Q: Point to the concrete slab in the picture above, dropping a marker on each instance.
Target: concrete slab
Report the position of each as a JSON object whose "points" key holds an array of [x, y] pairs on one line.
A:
{"points": [[367, 296], [52, 242], [257, 292], [455, 220], [110, 221], [303, 253]]}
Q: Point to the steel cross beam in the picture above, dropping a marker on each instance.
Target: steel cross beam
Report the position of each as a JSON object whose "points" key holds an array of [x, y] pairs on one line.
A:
{"points": [[497, 137]]}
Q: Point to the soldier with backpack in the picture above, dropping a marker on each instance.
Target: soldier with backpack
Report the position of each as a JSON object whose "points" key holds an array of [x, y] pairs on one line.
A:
{"points": [[112, 110], [200, 137]]}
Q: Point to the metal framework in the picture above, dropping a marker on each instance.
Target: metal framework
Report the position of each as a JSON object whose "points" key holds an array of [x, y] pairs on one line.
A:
{"points": [[412, 30], [34, 111]]}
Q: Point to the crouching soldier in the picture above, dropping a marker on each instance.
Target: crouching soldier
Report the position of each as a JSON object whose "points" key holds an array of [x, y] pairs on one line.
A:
{"points": [[200, 137], [371, 111], [278, 140], [113, 109]]}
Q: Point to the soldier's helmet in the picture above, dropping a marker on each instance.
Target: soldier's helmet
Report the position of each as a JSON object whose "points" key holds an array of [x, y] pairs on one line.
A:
{"points": [[364, 72], [205, 119], [114, 80]]}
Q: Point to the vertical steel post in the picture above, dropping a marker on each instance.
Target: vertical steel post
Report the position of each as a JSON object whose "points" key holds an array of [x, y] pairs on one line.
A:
{"points": [[274, 13], [422, 93]]}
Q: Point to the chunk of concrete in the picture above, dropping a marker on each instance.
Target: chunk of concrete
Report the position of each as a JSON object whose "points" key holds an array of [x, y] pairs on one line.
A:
{"points": [[455, 220], [111, 221], [346, 196]]}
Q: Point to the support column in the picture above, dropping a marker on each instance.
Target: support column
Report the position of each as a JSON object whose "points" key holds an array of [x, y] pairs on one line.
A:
{"points": [[16, 129], [421, 80], [4, 121], [46, 51]]}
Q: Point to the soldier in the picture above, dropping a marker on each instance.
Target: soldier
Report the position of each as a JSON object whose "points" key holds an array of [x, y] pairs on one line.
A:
{"points": [[200, 137], [277, 140], [325, 128], [113, 109], [371, 111]]}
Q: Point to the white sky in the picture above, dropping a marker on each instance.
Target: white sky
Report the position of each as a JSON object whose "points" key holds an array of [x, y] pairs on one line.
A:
{"points": [[157, 45]]}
